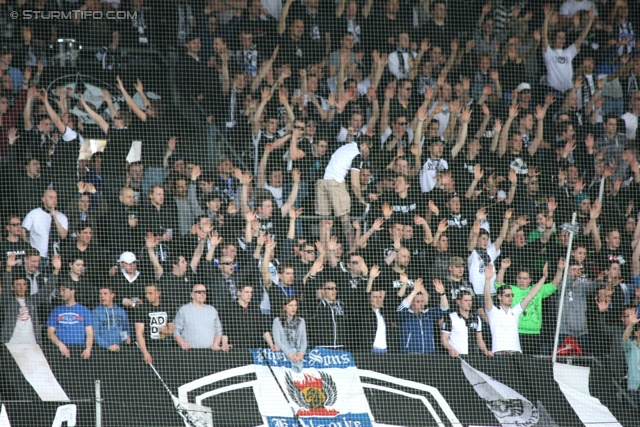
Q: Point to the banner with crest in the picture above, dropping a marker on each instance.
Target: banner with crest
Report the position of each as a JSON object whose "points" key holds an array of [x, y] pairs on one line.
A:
{"points": [[327, 391]]}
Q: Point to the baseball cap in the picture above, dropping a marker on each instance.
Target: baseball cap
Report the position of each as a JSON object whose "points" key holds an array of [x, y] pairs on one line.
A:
{"points": [[128, 258], [523, 86]]}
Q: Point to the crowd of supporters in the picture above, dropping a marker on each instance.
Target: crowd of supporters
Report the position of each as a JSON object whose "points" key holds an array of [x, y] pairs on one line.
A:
{"points": [[386, 176]]}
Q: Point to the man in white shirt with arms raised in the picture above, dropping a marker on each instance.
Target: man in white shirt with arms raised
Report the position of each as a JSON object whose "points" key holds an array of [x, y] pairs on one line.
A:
{"points": [[503, 319], [557, 59]]}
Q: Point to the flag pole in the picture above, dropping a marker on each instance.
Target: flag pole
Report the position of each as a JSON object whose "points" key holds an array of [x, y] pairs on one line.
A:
{"points": [[572, 231]]}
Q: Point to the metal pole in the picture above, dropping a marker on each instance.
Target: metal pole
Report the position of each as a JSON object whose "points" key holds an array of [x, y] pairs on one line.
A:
{"points": [[98, 405], [572, 231]]}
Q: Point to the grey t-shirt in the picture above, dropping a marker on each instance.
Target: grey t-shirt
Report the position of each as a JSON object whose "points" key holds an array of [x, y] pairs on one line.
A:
{"points": [[197, 326]]}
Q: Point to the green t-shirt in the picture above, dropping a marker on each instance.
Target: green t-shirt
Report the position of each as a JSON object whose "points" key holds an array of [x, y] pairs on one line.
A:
{"points": [[530, 321]]}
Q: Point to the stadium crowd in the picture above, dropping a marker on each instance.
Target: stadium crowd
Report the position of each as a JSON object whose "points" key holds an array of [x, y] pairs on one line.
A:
{"points": [[386, 176]]}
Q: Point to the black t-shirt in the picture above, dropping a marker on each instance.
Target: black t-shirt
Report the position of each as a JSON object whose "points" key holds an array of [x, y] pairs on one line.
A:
{"points": [[275, 225], [605, 257], [177, 290], [155, 136], [520, 258], [520, 162], [437, 263], [18, 248], [94, 260], [115, 153], [459, 227], [154, 319], [462, 168], [452, 288], [405, 209], [389, 281], [245, 327]]}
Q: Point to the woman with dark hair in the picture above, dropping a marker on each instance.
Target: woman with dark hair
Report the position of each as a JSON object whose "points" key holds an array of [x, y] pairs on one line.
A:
{"points": [[290, 333]]}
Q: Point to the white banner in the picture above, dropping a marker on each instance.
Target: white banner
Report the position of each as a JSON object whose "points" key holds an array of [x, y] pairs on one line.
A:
{"points": [[574, 383], [36, 370], [509, 407], [328, 392]]}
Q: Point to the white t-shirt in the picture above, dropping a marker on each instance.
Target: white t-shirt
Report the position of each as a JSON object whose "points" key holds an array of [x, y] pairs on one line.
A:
{"points": [[343, 160], [630, 124], [442, 117], [559, 67], [38, 222], [461, 331], [394, 64], [276, 193], [380, 341], [428, 173], [476, 269], [23, 331], [504, 328]]}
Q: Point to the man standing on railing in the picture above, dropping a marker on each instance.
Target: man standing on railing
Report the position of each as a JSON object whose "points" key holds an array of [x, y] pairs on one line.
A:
{"points": [[331, 192]]}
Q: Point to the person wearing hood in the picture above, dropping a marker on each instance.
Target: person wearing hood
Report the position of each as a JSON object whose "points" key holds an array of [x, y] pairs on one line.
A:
{"points": [[110, 322]]}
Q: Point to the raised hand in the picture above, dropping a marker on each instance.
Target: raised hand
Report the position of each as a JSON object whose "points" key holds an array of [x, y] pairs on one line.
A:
{"points": [[513, 111], [374, 272], [377, 224], [387, 210], [489, 271], [594, 212], [442, 226], [439, 287], [151, 241], [466, 115], [505, 263], [295, 213], [250, 216], [522, 220], [478, 173], [433, 208]]}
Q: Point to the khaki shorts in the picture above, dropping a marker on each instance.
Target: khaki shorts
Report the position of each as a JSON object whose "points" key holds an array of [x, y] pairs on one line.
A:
{"points": [[332, 194]]}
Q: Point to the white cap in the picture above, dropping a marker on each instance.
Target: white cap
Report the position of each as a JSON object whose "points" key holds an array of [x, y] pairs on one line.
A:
{"points": [[523, 86], [128, 257]]}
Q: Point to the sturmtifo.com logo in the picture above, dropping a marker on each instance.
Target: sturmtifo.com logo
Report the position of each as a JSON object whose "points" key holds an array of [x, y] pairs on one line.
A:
{"points": [[65, 15]]}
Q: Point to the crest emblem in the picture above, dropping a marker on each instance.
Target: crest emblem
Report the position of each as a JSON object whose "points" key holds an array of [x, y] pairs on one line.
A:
{"points": [[313, 394]]}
